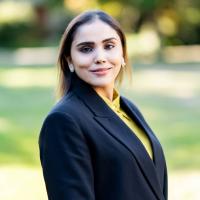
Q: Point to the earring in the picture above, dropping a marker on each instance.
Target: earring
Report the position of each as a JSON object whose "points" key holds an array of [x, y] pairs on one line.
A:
{"points": [[71, 68], [123, 62]]}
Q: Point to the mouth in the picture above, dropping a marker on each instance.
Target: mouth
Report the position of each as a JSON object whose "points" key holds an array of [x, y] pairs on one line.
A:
{"points": [[100, 71]]}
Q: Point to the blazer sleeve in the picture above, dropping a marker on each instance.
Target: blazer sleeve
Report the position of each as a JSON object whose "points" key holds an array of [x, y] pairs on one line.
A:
{"points": [[65, 159], [165, 185]]}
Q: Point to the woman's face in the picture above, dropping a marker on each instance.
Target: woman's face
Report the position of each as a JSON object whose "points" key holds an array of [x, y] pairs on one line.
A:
{"points": [[96, 54]]}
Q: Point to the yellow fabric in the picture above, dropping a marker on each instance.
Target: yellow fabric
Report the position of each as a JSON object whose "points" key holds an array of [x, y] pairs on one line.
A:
{"points": [[115, 106]]}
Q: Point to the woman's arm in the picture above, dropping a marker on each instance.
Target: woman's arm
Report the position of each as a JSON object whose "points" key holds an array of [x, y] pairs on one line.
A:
{"points": [[65, 159]]}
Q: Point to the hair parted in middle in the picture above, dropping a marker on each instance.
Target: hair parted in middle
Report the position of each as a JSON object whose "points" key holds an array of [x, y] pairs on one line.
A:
{"points": [[66, 43]]}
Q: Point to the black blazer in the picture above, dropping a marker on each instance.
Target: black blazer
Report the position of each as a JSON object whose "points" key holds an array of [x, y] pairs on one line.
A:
{"points": [[88, 153]]}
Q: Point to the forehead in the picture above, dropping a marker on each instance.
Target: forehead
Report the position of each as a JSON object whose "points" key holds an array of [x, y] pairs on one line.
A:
{"points": [[95, 31]]}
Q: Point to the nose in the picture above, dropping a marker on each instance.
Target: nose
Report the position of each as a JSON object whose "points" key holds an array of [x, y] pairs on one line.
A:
{"points": [[100, 56]]}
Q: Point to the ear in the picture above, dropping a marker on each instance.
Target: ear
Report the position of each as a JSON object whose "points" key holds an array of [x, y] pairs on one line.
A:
{"points": [[123, 62], [69, 60]]}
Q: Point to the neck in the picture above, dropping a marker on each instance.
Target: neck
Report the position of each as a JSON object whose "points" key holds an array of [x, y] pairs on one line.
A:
{"points": [[105, 91]]}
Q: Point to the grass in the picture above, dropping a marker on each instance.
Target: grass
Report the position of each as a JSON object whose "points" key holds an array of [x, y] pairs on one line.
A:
{"points": [[22, 111], [168, 96]]}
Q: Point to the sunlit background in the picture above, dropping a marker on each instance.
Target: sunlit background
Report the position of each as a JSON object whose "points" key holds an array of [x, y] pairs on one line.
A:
{"points": [[164, 50]]}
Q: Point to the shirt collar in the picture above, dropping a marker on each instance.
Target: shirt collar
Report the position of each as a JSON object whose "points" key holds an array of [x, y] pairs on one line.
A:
{"points": [[116, 100]]}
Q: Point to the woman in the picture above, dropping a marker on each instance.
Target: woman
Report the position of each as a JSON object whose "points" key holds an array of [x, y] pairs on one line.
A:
{"points": [[95, 144]]}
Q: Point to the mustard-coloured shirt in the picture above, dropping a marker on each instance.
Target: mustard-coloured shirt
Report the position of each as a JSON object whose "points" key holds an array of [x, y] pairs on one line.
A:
{"points": [[115, 106]]}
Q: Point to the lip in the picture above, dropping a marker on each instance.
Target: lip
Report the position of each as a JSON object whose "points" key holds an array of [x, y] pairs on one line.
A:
{"points": [[100, 71]]}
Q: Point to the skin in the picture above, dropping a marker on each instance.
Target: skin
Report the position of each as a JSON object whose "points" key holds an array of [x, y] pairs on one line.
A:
{"points": [[96, 55]]}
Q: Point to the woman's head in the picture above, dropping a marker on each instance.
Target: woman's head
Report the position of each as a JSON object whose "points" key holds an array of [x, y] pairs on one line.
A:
{"points": [[94, 47]]}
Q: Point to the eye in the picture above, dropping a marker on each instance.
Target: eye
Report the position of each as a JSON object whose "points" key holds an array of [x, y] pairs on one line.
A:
{"points": [[109, 46], [86, 49]]}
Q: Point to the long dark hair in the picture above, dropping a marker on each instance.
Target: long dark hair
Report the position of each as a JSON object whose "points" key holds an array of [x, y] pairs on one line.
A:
{"points": [[66, 42]]}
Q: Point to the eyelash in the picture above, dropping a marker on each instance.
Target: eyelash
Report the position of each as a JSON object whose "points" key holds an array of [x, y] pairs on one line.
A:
{"points": [[88, 49]]}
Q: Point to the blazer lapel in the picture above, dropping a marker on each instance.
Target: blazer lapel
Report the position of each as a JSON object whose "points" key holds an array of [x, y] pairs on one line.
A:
{"points": [[116, 127], [159, 160], [119, 130]]}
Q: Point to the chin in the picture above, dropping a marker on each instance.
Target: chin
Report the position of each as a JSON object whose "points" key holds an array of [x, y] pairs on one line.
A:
{"points": [[100, 83]]}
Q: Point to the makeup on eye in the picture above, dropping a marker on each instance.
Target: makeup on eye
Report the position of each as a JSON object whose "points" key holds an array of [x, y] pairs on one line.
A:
{"points": [[91, 47], [86, 49], [110, 46]]}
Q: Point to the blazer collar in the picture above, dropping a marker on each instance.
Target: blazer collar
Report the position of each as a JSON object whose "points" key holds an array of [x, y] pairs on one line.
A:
{"points": [[105, 116], [92, 100]]}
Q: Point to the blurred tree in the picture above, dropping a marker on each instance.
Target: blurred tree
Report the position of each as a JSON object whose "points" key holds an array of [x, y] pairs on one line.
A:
{"points": [[175, 21]]}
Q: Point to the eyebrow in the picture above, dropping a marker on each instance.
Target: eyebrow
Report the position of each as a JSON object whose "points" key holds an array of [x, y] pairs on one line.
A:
{"points": [[90, 42]]}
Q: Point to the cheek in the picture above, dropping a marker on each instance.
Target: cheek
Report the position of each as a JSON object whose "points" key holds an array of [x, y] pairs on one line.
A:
{"points": [[115, 56], [81, 60], [116, 60]]}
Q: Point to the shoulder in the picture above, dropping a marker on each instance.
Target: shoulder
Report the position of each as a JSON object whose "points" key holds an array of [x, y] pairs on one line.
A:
{"points": [[61, 121], [69, 105], [129, 102], [132, 105], [60, 113], [68, 110], [58, 124], [136, 111], [66, 104]]}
